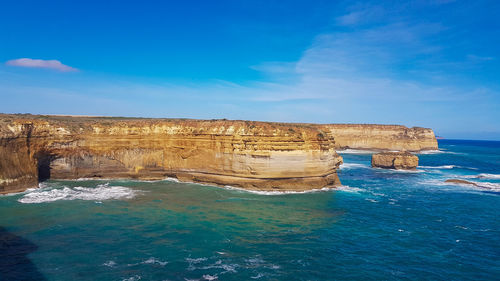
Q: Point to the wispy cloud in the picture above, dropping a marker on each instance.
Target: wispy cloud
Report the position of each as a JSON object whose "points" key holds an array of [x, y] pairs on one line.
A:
{"points": [[38, 63]]}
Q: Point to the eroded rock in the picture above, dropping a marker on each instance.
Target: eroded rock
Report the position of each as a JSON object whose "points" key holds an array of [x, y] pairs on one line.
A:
{"points": [[395, 160]]}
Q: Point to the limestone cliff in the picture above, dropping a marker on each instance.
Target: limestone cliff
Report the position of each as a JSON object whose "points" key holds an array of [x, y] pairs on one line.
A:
{"points": [[252, 155], [381, 137]]}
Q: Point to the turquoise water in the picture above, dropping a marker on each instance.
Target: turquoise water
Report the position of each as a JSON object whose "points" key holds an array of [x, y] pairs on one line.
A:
{"points": [[382, 224]]}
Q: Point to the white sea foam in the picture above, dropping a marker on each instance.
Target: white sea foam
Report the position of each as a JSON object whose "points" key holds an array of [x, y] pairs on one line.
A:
{"points": [[220, 265], [350, 189], [480, 186], [133, 278], [446, 167], [210, 277], [356, 151], [488, 176], [154, 260], [110, 263], [345, 166], [439, 167], [171, 179], [197, 260], [437, 151], [100, 193], [398, 170], [279, 192]]}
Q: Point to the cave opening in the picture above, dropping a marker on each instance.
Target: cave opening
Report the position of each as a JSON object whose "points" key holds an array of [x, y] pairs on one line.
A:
{"points": [[43, 165]]}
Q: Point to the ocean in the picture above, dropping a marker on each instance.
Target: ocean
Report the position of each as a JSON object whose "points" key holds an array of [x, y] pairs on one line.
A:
{"points": [[380, 225]]}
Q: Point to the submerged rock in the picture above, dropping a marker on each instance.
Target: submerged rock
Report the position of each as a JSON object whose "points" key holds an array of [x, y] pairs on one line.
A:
{"points": [[395, 160], [461, 182]]}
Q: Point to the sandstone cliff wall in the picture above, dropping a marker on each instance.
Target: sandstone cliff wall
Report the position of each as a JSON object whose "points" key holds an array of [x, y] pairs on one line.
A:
{"points": [[253, 155], [381, 137]]}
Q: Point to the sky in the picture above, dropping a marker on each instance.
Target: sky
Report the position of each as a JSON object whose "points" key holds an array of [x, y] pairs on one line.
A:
{"points": [[433, 63]]}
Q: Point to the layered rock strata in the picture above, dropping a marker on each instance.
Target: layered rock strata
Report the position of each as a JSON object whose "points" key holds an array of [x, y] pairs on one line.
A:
{"points": [[395, 160], [251, 155], [381, 137]]}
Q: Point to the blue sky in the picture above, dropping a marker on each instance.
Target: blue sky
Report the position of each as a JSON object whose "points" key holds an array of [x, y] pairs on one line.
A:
{"points": [[419, 63]]}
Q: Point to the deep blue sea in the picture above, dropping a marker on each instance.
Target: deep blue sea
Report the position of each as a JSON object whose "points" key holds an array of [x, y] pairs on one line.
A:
{"points": [[381, 225]]}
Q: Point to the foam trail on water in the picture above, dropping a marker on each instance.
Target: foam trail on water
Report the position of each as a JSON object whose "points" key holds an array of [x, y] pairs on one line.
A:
{"points": [[99, 193], [480, 186], [488, 176], [352, 166], [346, 188], [279, 192], [446, 167], [356, 151]]}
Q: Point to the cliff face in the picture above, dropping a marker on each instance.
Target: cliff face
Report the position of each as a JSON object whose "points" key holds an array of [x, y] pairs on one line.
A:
{"points": [[381, 137], [252, 155]]}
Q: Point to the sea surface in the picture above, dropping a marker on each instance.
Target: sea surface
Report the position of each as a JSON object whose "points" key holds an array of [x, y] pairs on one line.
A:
{"points": [[381, 225]]}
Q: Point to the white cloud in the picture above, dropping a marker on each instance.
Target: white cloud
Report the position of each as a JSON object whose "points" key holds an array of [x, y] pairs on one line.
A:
{"points": [[38, 63]]}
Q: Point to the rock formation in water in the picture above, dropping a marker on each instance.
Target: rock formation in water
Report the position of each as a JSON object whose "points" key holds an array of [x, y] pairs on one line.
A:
{"points": [[251, 155], [381, 137], [395, 160]]}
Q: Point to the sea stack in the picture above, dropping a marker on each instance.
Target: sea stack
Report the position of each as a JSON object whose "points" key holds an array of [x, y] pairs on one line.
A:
{"points": [[395, 160]]}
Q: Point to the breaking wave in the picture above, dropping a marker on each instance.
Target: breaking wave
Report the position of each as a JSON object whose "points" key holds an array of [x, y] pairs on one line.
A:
{"points": [[99, 193]]}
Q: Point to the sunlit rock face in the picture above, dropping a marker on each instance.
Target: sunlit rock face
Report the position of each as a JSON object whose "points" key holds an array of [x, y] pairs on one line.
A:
{"points": [[381, 137], [395, 160], [251, 155]]}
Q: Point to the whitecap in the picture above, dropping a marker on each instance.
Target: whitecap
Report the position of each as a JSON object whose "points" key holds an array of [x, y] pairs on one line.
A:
{"points": [[259, 275], [110, 263], [210, 277], [255, 260], [226, 267], [154, 260], [275, 267], [197, 260], [100, 193], [133, 278], [192, 262]]}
